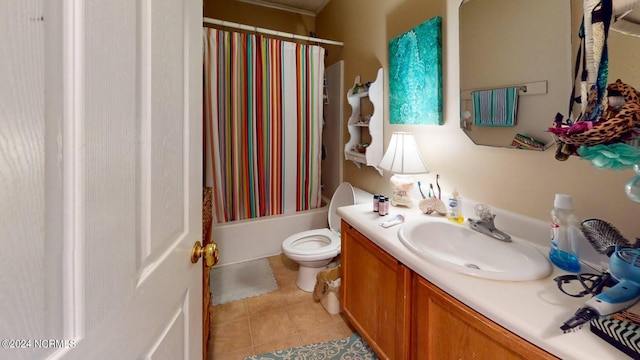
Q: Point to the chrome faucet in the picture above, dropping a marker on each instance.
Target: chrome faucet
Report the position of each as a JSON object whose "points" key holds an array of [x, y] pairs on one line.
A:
{"points": [[485, 224]]}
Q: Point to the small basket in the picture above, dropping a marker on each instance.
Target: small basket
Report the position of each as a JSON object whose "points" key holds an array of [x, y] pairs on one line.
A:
{"points": [[327, 289]]}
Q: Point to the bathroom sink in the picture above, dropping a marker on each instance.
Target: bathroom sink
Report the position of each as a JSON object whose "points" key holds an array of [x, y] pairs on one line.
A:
{"points": [[458, 248]]}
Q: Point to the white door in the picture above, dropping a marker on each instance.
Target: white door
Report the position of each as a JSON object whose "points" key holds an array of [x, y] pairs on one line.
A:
{"points": [[100, 179]]}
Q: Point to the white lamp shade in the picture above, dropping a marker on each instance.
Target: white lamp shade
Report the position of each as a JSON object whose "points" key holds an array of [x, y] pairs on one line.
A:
{"points": [[403, 155]]}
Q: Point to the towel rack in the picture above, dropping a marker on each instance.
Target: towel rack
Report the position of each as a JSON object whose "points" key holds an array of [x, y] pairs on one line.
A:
{"points": [[524, 89]]}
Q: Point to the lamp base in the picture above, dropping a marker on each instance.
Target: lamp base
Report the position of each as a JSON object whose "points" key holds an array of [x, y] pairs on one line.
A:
{"points": [[401, 185], [401, 202]]}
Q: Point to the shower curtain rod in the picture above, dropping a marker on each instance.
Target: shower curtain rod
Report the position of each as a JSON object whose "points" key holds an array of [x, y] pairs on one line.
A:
{"points": [[269, 32]]}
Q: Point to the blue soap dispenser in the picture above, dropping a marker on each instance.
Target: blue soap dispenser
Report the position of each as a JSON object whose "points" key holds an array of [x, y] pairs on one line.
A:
{"points": [[565, 229]]}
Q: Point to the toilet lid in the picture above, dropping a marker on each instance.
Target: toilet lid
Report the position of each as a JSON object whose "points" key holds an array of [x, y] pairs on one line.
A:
{"points": [[344, 196]]}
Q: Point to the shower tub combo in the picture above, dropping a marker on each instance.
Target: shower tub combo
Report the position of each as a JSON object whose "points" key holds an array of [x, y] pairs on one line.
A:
{"points": [[250, 239]]}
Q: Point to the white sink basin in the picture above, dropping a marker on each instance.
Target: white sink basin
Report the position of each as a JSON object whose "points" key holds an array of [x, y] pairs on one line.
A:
{"points": [[458, 248]]}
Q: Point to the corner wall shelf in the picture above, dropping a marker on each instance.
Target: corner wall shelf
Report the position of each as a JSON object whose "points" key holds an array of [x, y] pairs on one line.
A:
{"points": [[357, 123]]}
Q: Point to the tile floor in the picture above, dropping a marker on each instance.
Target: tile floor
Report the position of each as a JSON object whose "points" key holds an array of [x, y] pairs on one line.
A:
{"points": [[281, 319]]}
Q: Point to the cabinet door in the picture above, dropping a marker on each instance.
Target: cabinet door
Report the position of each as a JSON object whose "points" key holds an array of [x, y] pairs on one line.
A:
{"points": [[375, 296], [444, 328]]}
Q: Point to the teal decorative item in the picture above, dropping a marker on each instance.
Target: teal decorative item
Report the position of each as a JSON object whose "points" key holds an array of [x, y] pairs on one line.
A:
{"points": [[616, 156], [415, 75]]}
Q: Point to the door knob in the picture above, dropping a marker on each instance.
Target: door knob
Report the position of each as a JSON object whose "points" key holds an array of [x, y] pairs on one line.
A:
{"points": [[210, 252]]}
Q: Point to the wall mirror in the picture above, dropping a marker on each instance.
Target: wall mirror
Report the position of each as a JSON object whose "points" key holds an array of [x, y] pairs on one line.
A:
{"points": [[524, 44], [624, 56], [627, 18]]}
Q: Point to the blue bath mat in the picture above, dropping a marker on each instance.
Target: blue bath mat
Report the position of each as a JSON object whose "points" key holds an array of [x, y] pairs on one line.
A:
{"points": [[241, 280], [352, 348]]}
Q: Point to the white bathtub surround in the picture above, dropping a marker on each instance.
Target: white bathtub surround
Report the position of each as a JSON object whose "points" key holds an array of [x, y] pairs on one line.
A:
{"points": [[533, 310], [250, 239]]}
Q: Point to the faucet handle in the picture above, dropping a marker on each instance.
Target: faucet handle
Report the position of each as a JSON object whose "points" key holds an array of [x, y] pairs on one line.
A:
{"points": [[483, 211]]}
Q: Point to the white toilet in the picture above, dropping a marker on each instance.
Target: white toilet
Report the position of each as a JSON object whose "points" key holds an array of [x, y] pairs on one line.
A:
{"points": [[314, 249]]}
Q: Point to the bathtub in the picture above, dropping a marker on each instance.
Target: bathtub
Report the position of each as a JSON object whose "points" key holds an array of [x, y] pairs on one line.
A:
{"points": [[250, 239]]}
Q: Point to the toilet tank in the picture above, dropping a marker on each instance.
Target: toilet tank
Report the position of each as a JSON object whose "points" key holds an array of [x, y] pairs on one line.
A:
{"points": [[362, 197]]}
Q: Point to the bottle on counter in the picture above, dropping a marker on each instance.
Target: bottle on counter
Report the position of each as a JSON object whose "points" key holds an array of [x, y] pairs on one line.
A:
{"points": [[565, 230], [453, 211], [387, 202]]}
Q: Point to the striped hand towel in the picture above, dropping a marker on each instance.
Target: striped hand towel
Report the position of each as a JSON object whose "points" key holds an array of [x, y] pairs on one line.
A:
{"points": [[495, 107]]}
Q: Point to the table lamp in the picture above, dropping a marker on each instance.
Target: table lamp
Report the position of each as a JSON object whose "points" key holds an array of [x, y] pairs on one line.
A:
{"points": [[402, 159]]}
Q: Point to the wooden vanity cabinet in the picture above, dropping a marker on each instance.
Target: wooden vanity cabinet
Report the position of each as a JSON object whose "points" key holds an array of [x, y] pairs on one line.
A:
{"points": [[443, 328], [374, 294], [403, 316]]}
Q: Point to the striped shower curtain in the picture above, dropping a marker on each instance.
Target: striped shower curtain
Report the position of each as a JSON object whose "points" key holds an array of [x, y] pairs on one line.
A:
{"points": [[262, 124]]}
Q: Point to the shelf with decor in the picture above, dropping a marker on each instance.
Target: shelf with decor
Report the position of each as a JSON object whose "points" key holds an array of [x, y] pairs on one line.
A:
{"points": [[371, 123]]}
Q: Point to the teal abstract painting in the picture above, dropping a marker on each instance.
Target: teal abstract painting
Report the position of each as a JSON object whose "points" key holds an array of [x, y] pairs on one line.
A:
{"points": [[415, 75]]}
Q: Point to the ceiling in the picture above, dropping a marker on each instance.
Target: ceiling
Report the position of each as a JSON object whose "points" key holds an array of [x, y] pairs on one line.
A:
{"points": [[306, 7]]}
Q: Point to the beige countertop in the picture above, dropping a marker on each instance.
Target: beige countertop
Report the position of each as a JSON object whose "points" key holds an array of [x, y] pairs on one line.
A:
{"points": [[534, 310]]}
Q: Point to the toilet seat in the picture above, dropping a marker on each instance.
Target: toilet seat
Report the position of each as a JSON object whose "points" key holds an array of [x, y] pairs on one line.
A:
{"points": [[312, 244], [321, 243]]}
